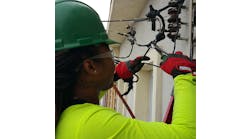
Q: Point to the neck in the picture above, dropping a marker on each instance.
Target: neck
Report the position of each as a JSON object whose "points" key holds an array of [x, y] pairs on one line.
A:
{"points": [[89, 94]]}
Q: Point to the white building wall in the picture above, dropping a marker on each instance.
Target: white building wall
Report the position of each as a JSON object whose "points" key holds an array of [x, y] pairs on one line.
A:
{"points": [[150, 96]]}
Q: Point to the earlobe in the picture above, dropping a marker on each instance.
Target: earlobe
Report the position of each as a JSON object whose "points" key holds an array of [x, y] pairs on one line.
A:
{"points": [[89, 66]]}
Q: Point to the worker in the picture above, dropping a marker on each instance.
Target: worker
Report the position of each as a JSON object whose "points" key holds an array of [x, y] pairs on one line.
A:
{"points": [[84, 66]]}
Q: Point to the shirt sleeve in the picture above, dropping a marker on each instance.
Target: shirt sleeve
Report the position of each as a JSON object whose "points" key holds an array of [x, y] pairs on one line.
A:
{"points": [[105, 123]]}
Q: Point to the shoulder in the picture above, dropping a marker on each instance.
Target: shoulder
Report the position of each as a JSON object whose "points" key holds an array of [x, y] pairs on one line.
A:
{"points": [[84, 110], [76, 117]]}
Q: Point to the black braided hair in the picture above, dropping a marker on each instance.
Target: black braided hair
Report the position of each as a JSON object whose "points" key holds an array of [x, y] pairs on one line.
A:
{"points": [[67, 68]]}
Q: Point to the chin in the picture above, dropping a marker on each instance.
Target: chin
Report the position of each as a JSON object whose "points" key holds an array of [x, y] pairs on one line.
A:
{"points": [[110, 85]]}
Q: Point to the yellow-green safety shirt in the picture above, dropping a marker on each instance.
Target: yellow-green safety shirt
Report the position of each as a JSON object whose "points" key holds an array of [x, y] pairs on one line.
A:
{"points": [[90, 121]]}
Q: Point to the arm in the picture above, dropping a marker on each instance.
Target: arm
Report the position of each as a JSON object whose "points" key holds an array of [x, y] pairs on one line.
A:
{"points": [[184, 112]]}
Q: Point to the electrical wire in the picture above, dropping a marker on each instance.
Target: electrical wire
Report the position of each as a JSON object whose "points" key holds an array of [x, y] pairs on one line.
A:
{"points": [[132, 46], [127, 55], [126, 20], [162, 9], [116, 61], [161, 24], [152, 65], [175, 40], [147, 51]]}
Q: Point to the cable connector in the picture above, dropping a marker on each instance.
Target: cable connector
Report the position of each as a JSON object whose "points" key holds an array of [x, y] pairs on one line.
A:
{"points": [[173, 10], [152, 16], [160, 36]]}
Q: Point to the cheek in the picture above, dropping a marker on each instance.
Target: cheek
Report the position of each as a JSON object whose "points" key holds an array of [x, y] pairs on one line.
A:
{"points": [[108, 69], [109, 75], [112, 66], [111, 69]]}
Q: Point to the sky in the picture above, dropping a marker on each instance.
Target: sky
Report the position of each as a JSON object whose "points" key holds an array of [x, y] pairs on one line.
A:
{"points": [[101, 7]]}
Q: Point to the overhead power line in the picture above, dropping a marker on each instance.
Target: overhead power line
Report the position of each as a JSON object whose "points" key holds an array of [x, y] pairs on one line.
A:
{"points": [[126, 20]]}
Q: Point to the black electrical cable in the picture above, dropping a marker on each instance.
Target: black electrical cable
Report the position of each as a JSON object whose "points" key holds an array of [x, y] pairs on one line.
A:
{"points": [[163, 23], [175, 41], [116, 61], [151, 16], [164, 8], [152, 65], [127, 55], [160, 36], [117, 57], [147, 51]]}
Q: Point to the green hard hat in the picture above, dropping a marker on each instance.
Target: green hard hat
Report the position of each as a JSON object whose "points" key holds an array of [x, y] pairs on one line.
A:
{"points": [[77, 25]]}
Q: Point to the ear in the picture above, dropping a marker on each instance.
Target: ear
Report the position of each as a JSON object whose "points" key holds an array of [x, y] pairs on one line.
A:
{"points": [[89, 66]]}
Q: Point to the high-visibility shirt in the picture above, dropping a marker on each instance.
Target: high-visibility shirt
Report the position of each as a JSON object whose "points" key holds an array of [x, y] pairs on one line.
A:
{"points": [[90, 121]]}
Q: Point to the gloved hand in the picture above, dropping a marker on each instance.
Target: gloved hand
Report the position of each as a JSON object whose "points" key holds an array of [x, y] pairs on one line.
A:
{"points": [[176, 64], [125, 70]]}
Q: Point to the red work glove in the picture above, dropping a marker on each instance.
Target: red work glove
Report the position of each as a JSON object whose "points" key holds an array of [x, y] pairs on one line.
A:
{"points": [[125, 70], [176, 64]]}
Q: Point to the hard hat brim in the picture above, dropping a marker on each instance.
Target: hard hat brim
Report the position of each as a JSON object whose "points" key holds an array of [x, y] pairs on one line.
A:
{"points": [[109, 41]]}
